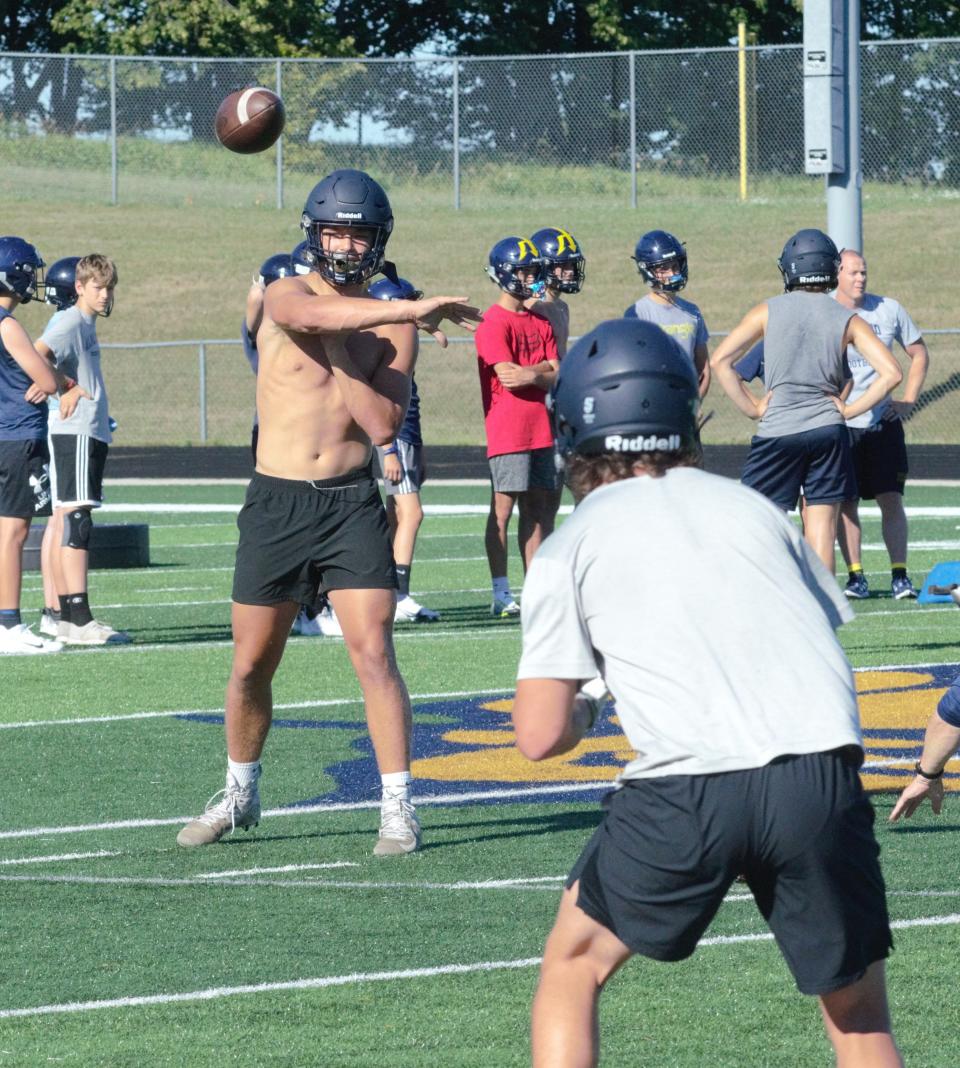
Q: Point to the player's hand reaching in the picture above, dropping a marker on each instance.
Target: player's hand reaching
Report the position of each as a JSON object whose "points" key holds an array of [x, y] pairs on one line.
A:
{"points": [[431, 311], [913, 796]]}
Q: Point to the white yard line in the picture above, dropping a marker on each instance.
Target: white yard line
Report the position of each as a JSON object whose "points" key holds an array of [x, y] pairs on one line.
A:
{"points": [[329, 702], [275, 871], [309, 810], [355, 978], [56, 858]]}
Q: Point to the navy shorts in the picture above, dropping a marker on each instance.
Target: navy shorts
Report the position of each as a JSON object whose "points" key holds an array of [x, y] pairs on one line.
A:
{"points": [[879, 458], [300, 539], [24, 479], [799, 830], [817, 463]]}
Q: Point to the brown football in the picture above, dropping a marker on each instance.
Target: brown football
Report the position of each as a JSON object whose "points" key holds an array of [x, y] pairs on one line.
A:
{"points": [[249, 120]]}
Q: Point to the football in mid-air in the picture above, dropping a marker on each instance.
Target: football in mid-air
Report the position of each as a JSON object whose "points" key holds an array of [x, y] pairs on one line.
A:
{"points": [[249, 120]]}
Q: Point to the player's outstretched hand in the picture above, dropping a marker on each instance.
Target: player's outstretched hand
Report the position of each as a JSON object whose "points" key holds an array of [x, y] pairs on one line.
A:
{"points": [[431, 311], [913, 796]]}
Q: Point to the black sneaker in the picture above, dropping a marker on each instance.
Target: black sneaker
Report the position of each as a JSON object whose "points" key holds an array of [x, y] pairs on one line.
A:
{"points": [[856, 588]]}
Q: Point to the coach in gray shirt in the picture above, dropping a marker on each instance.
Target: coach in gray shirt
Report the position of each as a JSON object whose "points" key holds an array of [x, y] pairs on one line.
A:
{"points": [[801, 441]]}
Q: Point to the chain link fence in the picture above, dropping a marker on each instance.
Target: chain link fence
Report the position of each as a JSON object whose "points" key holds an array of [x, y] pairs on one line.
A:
{"points": [[451, 133], [128, 128]]}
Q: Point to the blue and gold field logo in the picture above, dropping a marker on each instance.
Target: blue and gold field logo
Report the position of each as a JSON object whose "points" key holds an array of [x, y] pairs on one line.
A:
{"points": [[465, 748]]}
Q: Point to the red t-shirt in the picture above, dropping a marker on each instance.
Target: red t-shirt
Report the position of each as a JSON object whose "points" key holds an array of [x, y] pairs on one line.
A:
{"points": [[515, 421]]}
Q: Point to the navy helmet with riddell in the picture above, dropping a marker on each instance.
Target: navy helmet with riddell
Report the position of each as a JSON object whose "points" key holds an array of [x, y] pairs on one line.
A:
{"points": [[60, 283], [347, 199], [626, 387], [559, 249], [656, 249], [809, 259], [387, 289], [510, 255], [21, 269], [280, 265]]}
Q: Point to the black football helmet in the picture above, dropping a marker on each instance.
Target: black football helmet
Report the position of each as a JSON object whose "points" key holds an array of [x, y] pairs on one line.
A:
{"points": [[302, 262], [506, 256], [626, 387], [657, 248], [60, 284], [273, 267], [809, 258], [21, 269], [386, 289], [559, 249], [353, 199]]}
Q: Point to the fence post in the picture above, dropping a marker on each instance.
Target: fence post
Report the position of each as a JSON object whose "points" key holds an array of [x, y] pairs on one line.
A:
{"points": [[456, 134], [203, 393], [742, 104], [633, 130], [280, 141], [113, 131]]}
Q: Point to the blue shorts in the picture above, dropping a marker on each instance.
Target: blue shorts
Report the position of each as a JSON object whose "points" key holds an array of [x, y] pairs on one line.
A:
{"points": [[817, 463]]}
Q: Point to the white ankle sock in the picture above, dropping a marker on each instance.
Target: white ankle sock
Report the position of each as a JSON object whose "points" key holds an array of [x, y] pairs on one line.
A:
{"points": [[396, 784], [501, 588], [245, 775]]}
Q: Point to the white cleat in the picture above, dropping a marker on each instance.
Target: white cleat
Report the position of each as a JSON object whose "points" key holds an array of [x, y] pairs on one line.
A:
{"points": [[92, 633], [225, 812], [399, 829], [306, 624], [409, 611], [329, 624], [504, 608], [21, 641]]}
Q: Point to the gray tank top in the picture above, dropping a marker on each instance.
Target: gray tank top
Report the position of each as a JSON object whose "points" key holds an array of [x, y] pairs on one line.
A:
{"points": [[804, 362]]}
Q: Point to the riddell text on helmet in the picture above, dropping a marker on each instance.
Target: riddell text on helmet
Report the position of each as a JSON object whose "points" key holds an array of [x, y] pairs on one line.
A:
{"points": [[651, 443]]}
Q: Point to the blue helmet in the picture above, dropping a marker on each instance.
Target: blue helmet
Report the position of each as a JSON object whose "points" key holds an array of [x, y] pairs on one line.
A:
{"points": [[347, 198], [559, 249], [21, 269], [60, 283], [625, 387], [274, 267], [302, 258], [809, 258], [386, 289], [655, 249], [506, 256]]}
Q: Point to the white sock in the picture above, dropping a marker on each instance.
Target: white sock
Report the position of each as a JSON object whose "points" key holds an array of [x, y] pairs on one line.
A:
{"points": [[501, 588], [396, 784], [244, 775]]}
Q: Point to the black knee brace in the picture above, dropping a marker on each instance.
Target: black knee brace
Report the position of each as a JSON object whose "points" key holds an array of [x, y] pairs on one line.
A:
{"points": [[77, 527]]}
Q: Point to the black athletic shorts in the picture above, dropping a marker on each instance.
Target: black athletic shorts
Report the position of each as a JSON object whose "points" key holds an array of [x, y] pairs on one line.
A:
{"points": [[799, 829], [76, 469], [24, 479], [818, 462], [879, 458], [298, 539]]}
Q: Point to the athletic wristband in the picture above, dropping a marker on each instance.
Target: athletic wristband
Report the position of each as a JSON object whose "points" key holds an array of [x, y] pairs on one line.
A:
{"points": [[392, 451], [926, 775]]}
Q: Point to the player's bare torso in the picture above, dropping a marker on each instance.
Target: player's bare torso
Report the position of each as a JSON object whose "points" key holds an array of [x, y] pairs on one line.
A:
{"points": [[306, 429]]}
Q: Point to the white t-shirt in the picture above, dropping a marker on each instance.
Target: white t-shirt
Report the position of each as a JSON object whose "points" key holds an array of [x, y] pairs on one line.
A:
{"points": [[709, 617], [890, 322]]}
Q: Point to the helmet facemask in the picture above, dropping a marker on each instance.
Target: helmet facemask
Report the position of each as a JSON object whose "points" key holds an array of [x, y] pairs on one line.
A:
{"points": [[554, 279], [344, 268], [506, 275]]}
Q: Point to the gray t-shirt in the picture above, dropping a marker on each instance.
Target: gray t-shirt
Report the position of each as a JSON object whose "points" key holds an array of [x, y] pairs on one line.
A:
{"points": [[804, 363], [72, 338], [890, 322], [707, 614], [681, 320]]}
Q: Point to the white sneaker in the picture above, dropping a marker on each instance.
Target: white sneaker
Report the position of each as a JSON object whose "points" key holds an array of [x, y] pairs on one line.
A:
{"points": [[20, 640], [92, 633], [306, 624], [329, 624], [399, 829], [505, 607], [224, 813], [409, 611], [49, 623]]}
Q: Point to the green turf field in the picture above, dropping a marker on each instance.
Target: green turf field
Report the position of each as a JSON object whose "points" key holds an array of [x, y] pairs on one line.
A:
{"points": [[292, 945]]}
